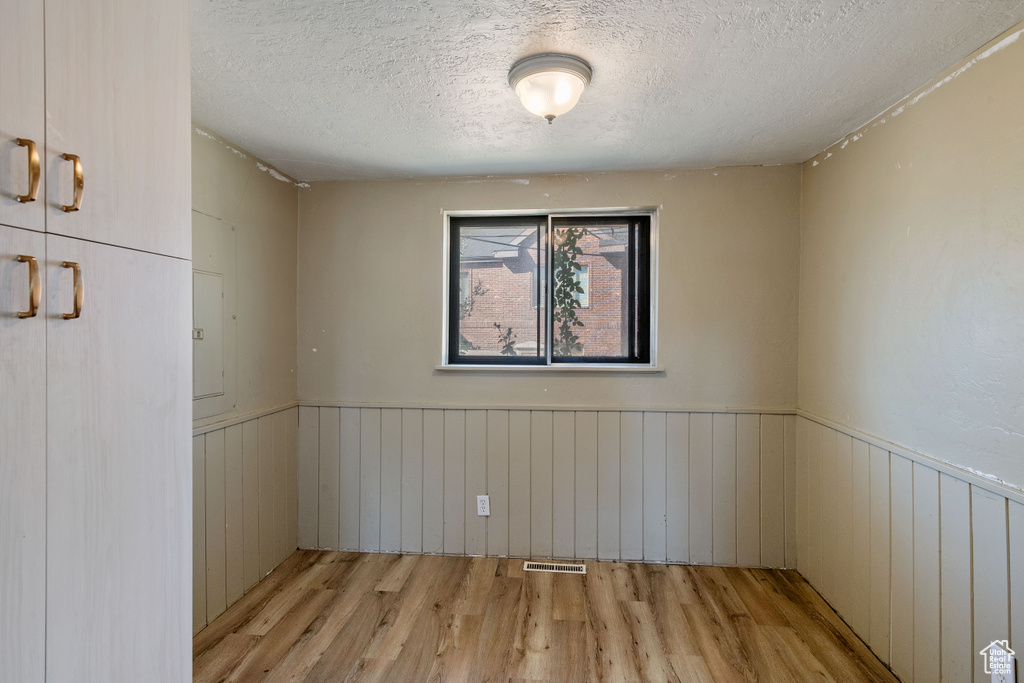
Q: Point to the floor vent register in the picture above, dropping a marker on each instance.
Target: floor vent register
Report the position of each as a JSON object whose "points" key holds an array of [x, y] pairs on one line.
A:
{"points": [[555, 567]]}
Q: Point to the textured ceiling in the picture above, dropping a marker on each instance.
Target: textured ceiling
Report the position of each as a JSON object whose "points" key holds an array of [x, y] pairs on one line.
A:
{"points": [[339, 89]]}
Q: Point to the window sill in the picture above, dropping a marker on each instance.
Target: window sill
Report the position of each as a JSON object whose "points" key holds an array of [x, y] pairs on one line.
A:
{"points": [[566, 367]]}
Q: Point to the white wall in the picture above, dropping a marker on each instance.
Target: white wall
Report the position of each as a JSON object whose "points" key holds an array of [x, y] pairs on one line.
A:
{"points": [[244, 488], [370, 291], [911, 291], [230, 190], [910, 447]]}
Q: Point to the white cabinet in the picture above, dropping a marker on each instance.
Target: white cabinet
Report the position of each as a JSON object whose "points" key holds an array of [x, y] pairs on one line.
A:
{"points": [[119, 457], [22, 462], [21, 111], [117, 97], [95, 411]]}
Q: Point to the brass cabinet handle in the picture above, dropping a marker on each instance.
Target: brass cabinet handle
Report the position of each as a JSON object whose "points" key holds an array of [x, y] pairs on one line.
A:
{"points": [[35, 287], [33, 171], [79, 289], [76, 204]]}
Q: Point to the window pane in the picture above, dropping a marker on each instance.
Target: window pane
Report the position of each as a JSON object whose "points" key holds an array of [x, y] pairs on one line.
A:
{"points": [[499, 265], [596, 302]]}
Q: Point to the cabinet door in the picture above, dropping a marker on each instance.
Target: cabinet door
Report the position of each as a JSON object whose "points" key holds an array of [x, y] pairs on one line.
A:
{"points": [[21, 109], [117, 96], [119, 467], [22, 463]]}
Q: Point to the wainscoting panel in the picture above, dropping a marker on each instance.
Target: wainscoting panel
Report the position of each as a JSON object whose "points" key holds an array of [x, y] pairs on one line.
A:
{"points": [[245, 506], [651, 486], [925, 563]]}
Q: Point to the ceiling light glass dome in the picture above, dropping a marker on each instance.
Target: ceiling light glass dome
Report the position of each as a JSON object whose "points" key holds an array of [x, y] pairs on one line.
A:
{"points": [[549, 85]]}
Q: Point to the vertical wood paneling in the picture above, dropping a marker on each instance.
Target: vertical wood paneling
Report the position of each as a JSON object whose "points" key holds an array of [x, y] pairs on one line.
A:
{"points": [[748, 490], [608, 432], [844, 525], [563, 468], [829, 521], [216, 543], [927, 634], [433, 481], [814, 505], [349, 479], [991, 580], [901, 484], [267, 477], [232, 543], [291, 438], [860, 538], [586, 485], [540, 483], [677, 482], [803, 435], [724, 489], [631, 486], [790, 440], [1016, 534], [878, 630], [519, 483], [455, 481], [700, 479], [309, 477], [234, 514], [957, 646], [497, 481], [476, 480], [282, 535], [250, 504], [198, 533], [693, 485], [655, 501], [329, 505], [369, 479], [391, 480], [412, 480]]}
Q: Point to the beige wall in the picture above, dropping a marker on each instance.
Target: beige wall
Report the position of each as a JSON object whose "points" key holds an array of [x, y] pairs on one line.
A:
{"points": [[230, 189], [370, 290], [912, 271]]}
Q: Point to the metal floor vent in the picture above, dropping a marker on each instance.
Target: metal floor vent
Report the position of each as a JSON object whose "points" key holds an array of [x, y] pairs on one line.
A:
{"points": [[555, 567]]}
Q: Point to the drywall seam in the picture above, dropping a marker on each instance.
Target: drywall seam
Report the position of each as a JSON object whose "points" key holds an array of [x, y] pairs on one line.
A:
{"points": [[274, 173], [911, 99]]}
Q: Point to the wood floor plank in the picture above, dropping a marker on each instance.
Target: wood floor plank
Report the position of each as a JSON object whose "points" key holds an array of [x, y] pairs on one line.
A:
{"points": [[348, 583], [497, 631], [329, 616], [616, 660], [215, 664], [533, 635], [416, 658]]}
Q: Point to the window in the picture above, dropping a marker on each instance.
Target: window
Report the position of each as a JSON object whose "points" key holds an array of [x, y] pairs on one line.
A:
{"points": [[506, 306], [583, 294]]}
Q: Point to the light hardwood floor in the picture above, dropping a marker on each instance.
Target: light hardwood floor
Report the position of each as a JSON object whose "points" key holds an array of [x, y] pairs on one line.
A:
{"points": [[334, 616]]}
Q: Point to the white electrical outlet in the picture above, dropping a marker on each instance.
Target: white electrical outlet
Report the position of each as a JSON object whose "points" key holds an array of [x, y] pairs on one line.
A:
{"points": [[483, 506]]}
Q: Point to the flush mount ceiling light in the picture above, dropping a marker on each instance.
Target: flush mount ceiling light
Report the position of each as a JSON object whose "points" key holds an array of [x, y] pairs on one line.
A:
{"points": [[549, 84]]}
